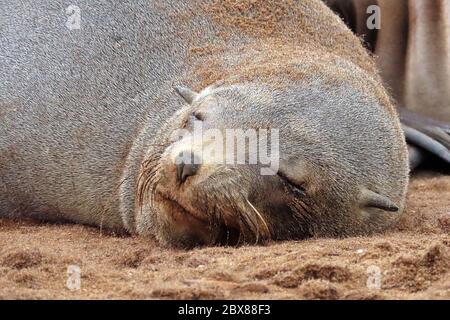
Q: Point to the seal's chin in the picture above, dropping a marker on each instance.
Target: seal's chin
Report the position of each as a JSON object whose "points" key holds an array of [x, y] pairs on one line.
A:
{"points": [[187, 230]]}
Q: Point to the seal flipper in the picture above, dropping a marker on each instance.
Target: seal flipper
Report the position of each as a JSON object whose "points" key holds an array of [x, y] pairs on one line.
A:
{"points": [[371, 199], [425, 136]]}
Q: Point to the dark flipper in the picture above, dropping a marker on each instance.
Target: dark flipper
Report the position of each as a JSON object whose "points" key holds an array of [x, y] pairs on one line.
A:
{"points": [[416, 156], [425, 136]]}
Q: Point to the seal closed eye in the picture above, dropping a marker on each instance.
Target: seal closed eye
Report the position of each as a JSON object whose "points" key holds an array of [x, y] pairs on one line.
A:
{"points": [[296, 188]]}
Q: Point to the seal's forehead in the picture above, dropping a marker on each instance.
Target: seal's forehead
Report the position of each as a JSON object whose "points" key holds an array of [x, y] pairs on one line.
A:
{"points": [[244, 92]]}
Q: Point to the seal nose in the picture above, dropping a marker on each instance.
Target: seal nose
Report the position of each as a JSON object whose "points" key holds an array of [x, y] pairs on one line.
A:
{"points": [[186, 167]]}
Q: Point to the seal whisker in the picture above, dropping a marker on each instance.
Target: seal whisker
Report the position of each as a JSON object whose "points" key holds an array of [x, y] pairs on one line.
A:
{"points": [[250, 220], [266, 227], [242, 220], [152, 190], [247, 220], [147, 180], [304, 212]]}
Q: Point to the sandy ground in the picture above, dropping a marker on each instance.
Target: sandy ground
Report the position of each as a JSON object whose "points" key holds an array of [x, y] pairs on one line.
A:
{"points": [[409, 262]]}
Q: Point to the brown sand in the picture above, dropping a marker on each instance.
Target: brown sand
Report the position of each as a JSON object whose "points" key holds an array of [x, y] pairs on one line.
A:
{"points": [[413, 259]]}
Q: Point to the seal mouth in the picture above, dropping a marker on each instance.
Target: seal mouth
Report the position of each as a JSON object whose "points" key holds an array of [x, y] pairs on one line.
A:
{"points": [[160, 197], [195, 231]]}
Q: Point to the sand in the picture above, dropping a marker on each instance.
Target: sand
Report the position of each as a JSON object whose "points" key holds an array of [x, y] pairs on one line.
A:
{"points": [[411, 261]]}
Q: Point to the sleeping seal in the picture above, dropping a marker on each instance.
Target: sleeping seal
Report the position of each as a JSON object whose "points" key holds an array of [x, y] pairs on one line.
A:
{"points": [[94, 120]]}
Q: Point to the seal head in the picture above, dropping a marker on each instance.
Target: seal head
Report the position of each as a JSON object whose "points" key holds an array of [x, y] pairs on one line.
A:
{"points": [[324, 166]]}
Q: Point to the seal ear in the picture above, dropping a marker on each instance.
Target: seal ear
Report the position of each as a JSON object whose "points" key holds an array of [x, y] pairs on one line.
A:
{"points": [[370, 199], [187, 94]]}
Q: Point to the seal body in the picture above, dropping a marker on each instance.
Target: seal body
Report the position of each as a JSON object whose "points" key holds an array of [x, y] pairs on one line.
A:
{"points": [[87, 114]]}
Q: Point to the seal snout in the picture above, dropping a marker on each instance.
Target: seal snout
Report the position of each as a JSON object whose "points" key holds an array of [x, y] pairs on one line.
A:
{"points": [[186, 167]]}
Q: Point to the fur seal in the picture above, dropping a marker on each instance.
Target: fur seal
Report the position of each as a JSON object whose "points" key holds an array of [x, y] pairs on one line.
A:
{"points": [[88, 115]]}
